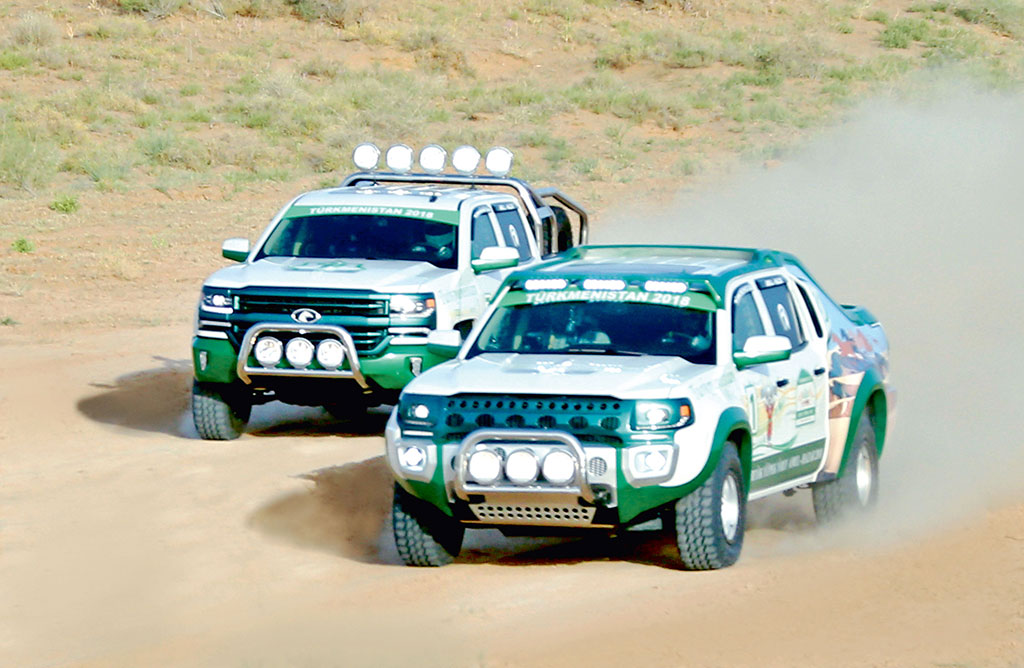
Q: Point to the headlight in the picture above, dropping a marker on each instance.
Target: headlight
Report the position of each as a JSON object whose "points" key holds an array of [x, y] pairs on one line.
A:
{"points": [[413, 305], [559, 467], [670, 414], [216, 301], [330, 353], [268, 351], [419, 410], [522, 467], [299, 352], [484, 467]]}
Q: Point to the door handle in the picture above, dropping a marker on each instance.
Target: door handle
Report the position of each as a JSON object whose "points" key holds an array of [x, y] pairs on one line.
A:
{"points": [[820, 370], [782, 382]]}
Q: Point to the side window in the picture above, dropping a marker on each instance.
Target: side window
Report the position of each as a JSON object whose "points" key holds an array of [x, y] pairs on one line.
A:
{"points": [[482, 233], [779, 301], [511, 225], [815, 320], [746, 321]]}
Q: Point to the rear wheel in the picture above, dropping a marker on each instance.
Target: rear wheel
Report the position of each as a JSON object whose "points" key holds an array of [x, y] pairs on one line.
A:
{"points": [[219, 412], [857, 489], [424, 535], [711, 520]]}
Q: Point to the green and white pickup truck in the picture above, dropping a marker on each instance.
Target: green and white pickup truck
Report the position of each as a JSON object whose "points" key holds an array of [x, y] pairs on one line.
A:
{"points": [[620, 385], [336, 302]]}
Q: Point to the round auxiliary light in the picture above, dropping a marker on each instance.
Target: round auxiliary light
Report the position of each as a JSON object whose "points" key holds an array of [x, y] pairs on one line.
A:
{"points": [[366, 157], [299, 352], [522, 467], [499, 161], [465, 160], [268, 351], [484, 466], [651, 461], [432, 159], [412, 457], [399, 159], [559, 467], [330, 353]]}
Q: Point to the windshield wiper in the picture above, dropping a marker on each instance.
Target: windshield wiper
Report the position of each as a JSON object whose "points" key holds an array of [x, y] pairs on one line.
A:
{"points": [[599, 350]]}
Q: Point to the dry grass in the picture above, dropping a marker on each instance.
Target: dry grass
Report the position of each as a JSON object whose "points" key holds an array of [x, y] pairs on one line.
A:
{"points": [[179, 94]]}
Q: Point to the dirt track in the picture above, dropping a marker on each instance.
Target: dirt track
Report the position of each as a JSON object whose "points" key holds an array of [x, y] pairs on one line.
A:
{"points": [[126, 541]]}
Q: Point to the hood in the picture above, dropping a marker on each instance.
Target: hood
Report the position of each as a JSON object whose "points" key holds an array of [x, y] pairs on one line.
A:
{"points": [[339, 274], [599, 375]]}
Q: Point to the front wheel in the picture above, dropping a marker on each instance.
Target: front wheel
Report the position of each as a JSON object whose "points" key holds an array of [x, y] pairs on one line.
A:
{"points": [[710, 521], [857, 489], [424, 535], [218, 412]]}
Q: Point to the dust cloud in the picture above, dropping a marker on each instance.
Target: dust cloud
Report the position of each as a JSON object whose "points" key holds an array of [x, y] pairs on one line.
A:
{"points": [[914, 208]]}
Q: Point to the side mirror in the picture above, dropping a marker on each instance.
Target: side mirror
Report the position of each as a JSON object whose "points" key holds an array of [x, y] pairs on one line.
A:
{"points": [[444, 342], [236, 249], [762, 349], [496, 257]]}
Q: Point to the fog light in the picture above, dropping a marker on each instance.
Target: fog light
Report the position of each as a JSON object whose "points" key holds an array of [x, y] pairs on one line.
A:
{"points": [[268, 351], [651, 462], [522, 467], [330, 353], [299, 352], [484, 467], [204, 360], [412, 458], [559, 467]]}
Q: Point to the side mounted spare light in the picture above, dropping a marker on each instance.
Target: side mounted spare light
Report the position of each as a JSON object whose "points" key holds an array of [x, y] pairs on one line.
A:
{"points": [[366, 157]]}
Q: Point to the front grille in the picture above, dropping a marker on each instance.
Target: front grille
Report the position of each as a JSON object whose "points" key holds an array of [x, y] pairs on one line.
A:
{"points": [[590, 419], [550, 515], [325, 305]]}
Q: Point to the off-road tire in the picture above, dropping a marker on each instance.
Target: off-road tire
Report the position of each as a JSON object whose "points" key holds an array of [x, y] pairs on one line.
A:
{"points": [[701, 536], [424, 535], [845, 496], [219, 414]]}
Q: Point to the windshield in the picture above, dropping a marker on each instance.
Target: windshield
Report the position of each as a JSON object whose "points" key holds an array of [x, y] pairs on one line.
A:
{"points": [[364, 237], [600, 328]]}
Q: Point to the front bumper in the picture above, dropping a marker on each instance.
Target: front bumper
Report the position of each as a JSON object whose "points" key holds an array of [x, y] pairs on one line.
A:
{"points": [[402, 359]]}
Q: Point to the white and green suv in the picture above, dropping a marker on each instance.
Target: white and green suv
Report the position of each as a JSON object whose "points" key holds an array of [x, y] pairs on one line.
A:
{"points": [[620, 385], [336, 302]]}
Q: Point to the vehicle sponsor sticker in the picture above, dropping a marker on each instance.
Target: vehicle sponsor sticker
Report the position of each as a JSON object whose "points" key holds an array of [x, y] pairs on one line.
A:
{"points": [[432, 215], [630, 295]]}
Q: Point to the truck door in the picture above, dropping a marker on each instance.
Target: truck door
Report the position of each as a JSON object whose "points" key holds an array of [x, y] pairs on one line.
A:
{"points": [[480, 288], [801, 419]]}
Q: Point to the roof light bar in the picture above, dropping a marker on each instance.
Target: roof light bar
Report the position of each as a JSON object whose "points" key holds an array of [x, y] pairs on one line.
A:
{"points": [[399, 159], [465, 160], [545, 284], [604, 284], [498, 161], [366, 156], [666, 286], [432, 159]]}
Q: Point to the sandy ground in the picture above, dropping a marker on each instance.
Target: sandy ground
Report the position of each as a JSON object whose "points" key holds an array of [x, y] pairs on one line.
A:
{"points": [[125, 541]]}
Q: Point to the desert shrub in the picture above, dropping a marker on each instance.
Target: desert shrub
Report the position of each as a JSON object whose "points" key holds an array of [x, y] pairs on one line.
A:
{"points": [[901, 33], [22, 245], [340, 13], [170, 149], [64, 204], [35, 30], [28, 159]]}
